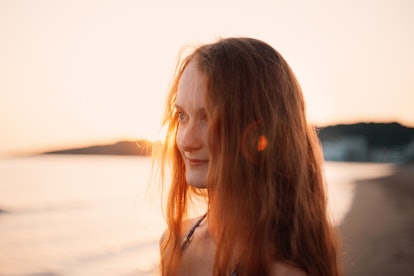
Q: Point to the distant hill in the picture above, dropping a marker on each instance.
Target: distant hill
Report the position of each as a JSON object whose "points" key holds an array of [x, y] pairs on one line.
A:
{"points": [[141, 147], [376, 134], [368, 142], [362, 142]]}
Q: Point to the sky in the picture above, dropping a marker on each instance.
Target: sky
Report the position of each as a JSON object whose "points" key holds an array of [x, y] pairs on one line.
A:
{"points": [[82, 72]]}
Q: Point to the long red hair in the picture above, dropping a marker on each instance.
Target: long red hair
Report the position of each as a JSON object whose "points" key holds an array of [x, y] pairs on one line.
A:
{"points": [[265, 184]]}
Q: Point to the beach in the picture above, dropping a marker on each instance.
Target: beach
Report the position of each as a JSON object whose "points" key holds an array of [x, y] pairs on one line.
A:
{"points": [[378, 231]]}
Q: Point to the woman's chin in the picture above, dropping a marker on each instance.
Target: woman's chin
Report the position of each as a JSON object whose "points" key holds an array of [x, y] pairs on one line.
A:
{"points": [[196, 183]]}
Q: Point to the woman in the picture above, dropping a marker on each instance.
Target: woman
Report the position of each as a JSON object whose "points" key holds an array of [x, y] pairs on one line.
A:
{"points": [[238, 136]]}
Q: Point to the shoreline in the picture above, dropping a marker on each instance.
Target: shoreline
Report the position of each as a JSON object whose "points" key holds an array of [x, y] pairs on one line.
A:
{"points": [[378, 231]]}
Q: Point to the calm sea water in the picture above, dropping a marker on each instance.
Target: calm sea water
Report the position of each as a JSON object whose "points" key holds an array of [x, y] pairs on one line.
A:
{"points": [[100, 215]]}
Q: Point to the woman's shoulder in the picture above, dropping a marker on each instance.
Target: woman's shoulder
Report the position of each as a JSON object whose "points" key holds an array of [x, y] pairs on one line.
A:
{"points": [[187, 225], [286, 269]]}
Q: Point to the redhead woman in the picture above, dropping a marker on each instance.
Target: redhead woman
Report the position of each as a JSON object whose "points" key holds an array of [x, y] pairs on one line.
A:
{"points": [[238, 137]]}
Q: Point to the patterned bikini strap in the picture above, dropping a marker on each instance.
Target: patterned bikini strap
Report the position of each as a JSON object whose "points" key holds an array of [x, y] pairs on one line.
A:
{"points": [[190, 234]]}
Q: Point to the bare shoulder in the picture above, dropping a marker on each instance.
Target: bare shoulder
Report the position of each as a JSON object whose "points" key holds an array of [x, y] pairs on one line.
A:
{"points": [[187, 225], [285, 269]]}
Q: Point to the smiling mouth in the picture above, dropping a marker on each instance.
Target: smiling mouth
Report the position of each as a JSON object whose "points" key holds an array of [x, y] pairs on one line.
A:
{"points": [[196, 162]]}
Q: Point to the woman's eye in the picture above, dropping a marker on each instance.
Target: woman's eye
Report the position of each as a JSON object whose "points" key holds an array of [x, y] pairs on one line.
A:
{"points": [[204, 117], [181, 116]]}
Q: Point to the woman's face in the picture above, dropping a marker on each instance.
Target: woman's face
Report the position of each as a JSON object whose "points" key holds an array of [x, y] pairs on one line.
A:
{"points": [[192, 119]]}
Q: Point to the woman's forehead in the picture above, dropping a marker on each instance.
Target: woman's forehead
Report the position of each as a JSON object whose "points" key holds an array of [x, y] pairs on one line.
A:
{"points": [[191, 87]]}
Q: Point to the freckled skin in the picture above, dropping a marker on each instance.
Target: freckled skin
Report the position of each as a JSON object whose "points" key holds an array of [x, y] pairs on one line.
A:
{"points": [[191, 137]]}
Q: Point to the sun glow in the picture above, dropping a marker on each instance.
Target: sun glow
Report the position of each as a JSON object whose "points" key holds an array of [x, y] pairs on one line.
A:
{"points": [[81, 71]]}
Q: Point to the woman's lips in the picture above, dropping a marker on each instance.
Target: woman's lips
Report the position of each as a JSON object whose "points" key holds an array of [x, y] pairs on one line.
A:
{"points": [[196, 162]]}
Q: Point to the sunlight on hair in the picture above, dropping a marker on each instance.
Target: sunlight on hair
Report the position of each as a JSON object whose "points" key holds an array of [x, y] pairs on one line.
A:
{"points": [[160, 135]]}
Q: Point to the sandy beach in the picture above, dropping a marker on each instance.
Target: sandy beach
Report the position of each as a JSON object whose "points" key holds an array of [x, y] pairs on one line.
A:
{"points": [[378, 232]]}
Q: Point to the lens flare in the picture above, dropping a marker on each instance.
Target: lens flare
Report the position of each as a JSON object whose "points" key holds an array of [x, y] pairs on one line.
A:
{"points": [[261, 143], [254, 141]]}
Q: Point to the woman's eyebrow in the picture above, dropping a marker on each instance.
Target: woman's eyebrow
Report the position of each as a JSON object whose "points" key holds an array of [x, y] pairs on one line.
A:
{"points": [[199, 110]]}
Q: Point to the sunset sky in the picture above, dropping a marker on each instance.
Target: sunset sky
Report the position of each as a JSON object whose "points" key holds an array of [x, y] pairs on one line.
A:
{"points": [[81, 72]]}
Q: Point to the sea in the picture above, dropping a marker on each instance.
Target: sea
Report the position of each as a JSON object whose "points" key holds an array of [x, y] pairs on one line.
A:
{"points": [[102, 215]]}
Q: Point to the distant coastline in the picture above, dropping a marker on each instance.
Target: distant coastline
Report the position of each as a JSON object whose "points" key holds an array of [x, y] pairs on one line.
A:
{"points": [[139, 148], [360, 142], [368, 142]]}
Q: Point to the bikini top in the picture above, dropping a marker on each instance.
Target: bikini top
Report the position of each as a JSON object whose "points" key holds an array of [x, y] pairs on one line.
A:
{"points": [[190, 234], [189, 237]]}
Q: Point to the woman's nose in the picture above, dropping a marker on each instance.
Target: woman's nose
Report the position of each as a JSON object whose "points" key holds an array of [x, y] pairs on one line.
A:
{"points": [[189, 137]]}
